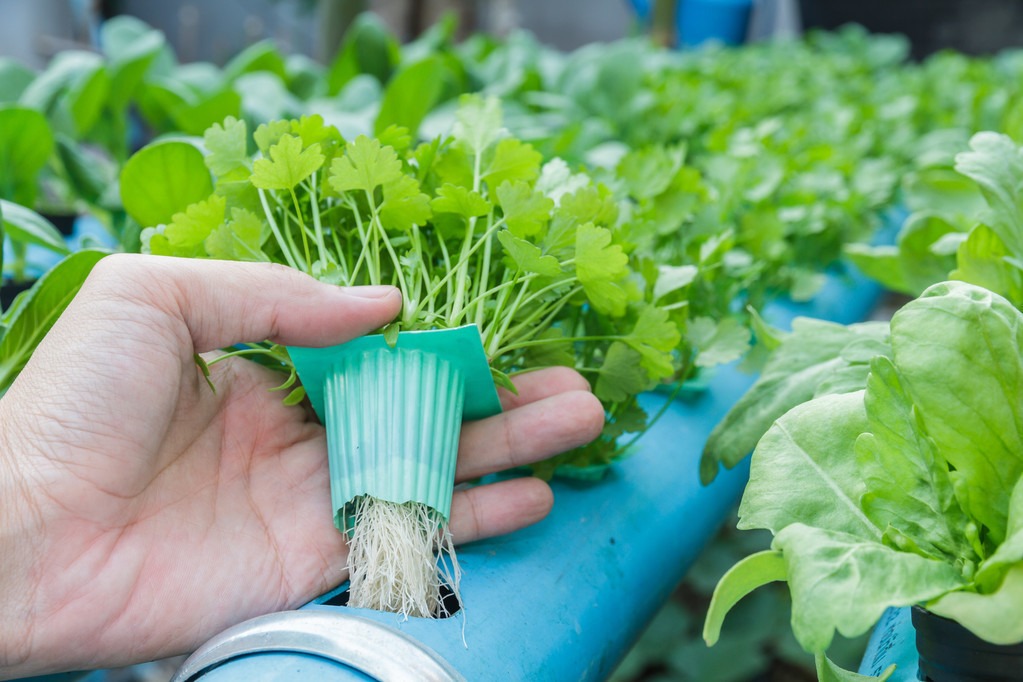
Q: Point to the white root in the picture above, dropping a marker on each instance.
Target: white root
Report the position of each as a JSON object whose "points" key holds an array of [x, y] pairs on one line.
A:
{"points": [[393, 558]]}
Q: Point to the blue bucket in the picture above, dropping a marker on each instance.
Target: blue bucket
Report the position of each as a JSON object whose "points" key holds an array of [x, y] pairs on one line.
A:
{"points": [[723, 21]]}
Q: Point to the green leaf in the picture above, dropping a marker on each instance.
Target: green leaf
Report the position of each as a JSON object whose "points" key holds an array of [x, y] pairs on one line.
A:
{"points": [[89, 175], [828, 671], [404, 205], [241, 238], [26, 143], [718, 343], [526, 213], [188, 231], [655, 336], [25, 226], [259, 56], [808, 358], [528, 257], [908, 483], [478, 123], [204, 368], [269, 134], [671, 278], [14, 78], [132, 49], [368, 48], [993, 617], [39, 308], [747, 575], [996, 165], [802, 473], [513, 161], [502, 380], [982, 260], [226, 144], [957, 349], [296, 396], [992, 571], [460, 200], [288, 164], [411, 94], [365, 166], [621, 374], [162, 179], [599, 264], [843, 582]]}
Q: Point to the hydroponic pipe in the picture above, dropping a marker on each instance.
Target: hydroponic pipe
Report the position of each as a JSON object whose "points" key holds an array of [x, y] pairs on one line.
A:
{"points": [[562, 600]]}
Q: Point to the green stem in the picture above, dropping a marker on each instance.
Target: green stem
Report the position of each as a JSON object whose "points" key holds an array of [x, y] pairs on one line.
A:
{"points": [[276, 230], [317, 223], [302, 230], [405, 292]]}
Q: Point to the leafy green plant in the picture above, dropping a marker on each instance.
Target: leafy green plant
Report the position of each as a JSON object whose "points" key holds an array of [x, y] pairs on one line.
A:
{"points": [[473, 229], [907, 492], [465, 227]]}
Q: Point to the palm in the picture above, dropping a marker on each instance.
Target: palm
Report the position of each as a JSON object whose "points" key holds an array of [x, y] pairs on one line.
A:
{"points": [[166, 485]]}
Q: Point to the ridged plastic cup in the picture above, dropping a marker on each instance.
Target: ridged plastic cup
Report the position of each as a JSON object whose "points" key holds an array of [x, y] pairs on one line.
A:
{"points": [[393, 414], [393, 417]]}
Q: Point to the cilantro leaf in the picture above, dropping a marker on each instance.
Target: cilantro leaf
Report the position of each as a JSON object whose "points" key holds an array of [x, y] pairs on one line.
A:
{"points": [[366, 165], [288, 164], [513, 160], [718, 342], [598, 265], [525, 212], [404, 205], [186, 232], [621, 374], [655, 337], [478, 123], [239, 239], [460, 200], [228, 155], [528, 257], [269, 134]]}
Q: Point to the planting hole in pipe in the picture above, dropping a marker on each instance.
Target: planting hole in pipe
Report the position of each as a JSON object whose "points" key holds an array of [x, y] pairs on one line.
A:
{"points": [[449, 601]]}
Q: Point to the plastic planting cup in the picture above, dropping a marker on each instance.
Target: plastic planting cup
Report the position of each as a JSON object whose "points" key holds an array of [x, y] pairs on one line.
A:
{"points": [[723, 21], [393, 414]]}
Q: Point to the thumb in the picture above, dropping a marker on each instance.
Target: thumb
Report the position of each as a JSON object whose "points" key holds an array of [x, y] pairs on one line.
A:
{"points": [[223, 303]]}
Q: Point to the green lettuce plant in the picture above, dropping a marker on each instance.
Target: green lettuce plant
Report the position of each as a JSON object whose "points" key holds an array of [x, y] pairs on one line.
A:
{"points": [[906, 492]]}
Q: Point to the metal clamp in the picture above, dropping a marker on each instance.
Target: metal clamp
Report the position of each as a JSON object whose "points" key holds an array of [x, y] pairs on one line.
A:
{"points": [[362, 644]]}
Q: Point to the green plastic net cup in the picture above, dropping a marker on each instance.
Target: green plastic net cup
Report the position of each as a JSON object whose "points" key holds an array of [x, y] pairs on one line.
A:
{"points": [[393, 417]]}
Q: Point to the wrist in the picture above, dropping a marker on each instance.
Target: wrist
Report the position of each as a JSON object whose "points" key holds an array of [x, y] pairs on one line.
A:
{"points": [[20, 526]]}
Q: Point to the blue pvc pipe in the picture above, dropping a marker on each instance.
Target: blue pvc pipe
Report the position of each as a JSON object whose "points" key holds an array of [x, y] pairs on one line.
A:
{"points": [[893, 641]]}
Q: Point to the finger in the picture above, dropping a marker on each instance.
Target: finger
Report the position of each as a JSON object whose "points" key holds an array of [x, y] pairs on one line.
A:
{"points": [[533, 386], [223, 303], [535, 431], [499, 508]]}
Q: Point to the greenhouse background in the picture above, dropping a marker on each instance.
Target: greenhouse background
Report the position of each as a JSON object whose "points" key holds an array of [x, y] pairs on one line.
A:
{"points": [[723, 170]]}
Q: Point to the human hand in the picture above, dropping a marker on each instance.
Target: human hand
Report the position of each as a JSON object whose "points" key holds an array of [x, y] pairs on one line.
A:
{"points": [[140, 513]]}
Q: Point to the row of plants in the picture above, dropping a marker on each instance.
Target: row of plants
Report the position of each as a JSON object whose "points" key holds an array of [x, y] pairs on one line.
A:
{"points": [[887, 465], [623, 209]]}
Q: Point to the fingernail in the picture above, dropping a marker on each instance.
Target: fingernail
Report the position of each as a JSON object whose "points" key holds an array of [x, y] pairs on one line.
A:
{"points": [[374, 291]]}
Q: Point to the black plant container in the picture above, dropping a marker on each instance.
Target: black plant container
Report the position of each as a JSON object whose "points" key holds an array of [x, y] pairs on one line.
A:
{"points": [[64, 222], [10, 290], [951, 653]]}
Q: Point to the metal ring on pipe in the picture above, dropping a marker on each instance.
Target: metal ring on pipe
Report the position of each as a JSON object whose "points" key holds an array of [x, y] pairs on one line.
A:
{"points": [[364, 645]]}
